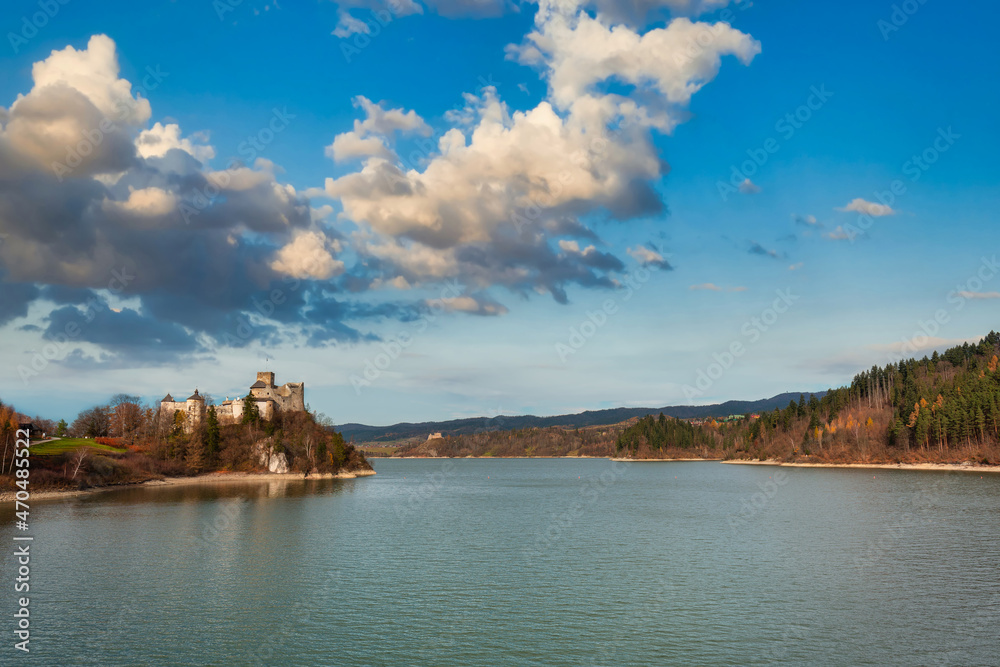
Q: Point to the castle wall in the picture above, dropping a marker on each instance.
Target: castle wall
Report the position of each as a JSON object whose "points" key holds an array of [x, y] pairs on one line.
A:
{"points": [[270, 399]]}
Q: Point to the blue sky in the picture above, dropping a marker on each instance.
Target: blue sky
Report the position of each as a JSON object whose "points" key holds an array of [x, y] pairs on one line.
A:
{"points": [[494, 114]]}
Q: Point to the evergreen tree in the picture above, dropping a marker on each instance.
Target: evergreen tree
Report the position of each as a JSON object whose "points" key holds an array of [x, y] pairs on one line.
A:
{"points": [[251, 413], [213, 433]]}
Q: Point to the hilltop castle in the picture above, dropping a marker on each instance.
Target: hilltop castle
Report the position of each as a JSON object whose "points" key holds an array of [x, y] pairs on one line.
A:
{"points": [[270, 399]]}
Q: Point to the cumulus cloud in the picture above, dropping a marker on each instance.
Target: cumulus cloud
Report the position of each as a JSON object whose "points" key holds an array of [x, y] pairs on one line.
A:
{"points": [[308, 255], [807, 220], [192, 251], [500, 197], [157, 140], [868, 208], [748, 187], [371, 136], [77, 117], [147, 202], [579, 51]]}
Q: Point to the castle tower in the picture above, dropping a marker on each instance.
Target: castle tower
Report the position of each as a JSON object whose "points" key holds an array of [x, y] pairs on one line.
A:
{"points": [[266, 377], [195, 410]]}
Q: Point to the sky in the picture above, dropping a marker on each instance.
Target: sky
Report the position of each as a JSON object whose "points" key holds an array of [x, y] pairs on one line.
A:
{"points": [[433, 209]]}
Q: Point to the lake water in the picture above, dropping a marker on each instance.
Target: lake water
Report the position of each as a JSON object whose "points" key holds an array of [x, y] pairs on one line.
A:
{"points": [[521, 562]]}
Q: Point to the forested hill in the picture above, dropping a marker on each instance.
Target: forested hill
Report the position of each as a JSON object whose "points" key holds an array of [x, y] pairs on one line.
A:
{"points": [[943, 408], [364, 433]]}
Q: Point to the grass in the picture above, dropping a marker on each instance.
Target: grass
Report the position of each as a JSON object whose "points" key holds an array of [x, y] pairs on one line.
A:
{"points": [[64, 445]]}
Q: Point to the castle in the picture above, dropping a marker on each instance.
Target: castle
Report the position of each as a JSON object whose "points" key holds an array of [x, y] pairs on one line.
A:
{"points": [[270, 399]]}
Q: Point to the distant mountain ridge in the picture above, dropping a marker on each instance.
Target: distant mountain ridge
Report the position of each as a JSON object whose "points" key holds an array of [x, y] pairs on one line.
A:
{"points": [[404, 430]]}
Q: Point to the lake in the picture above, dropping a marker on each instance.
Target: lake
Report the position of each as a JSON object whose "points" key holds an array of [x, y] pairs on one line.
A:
{"points": [[521, 562]]}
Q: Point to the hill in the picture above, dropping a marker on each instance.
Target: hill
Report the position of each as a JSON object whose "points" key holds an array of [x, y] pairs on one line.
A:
{"points": [[363, 433]]}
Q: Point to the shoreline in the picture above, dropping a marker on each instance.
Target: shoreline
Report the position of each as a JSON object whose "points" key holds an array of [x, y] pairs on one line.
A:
{"points": [[458, 458], [206, 478], [941, 467], [630, 460]]}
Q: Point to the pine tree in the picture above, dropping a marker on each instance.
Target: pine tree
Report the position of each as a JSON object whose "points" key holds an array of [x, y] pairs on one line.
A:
{"points": [[213, 433], [251, 413]]}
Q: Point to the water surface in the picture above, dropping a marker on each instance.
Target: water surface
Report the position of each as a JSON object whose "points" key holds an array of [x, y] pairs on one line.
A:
{"points": [[526, 562]]}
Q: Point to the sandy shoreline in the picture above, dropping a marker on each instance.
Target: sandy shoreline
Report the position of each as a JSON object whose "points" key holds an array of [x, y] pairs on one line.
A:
{"points": [[958, 467], [628, 460], [605, 458], [208, 478], [944, 467]]}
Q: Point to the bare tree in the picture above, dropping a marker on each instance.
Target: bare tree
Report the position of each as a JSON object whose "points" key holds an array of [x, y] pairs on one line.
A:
{"points": [[310, 452], [79, 456], [126, 416]]}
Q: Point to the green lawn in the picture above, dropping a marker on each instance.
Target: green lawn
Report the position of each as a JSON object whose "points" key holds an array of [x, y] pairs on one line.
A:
{"points": [[68, 444]]}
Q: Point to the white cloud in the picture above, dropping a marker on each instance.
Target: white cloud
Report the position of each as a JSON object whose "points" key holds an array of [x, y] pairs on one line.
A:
{"points": [[94, 73], [371, 137], [748, 187], [710, 287], [580, 51], [840, 234], [796, 266], [77, 117], [499, 198], [308, 256], [471, 305], [869, 208], [648, 257], [157, 140], [147, 202]]}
